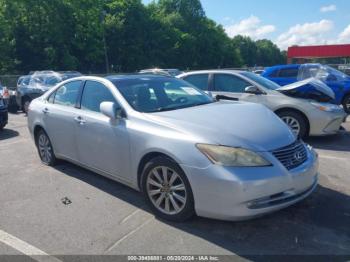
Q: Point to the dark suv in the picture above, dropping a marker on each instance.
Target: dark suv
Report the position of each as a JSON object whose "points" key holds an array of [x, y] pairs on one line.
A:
{"points": [[36, 84]]}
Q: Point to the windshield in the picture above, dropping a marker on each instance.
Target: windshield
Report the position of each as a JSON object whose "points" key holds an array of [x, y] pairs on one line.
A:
{"points": [[340, 75], [261, 80], [321, 72], [160, 94]]}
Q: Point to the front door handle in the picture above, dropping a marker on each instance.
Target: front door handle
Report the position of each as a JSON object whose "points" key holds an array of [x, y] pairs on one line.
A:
{"points": [[80, 120]]}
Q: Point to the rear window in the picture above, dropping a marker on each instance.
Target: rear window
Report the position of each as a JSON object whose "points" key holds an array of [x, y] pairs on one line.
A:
{"points": [[288, 72], [274, 73]]}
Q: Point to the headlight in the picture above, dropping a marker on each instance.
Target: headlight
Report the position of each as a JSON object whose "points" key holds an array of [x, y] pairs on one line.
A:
{"points": [[231, 156], [326, 107]]}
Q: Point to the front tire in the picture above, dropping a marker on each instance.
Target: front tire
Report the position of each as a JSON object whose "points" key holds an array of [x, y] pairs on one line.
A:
{"points": [[167, 190], [296, 122], [45, 149], [25, 105], [346, 104]]}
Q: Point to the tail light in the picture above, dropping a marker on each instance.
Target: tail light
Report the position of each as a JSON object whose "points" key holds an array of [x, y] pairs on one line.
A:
{"points": [[6, 93]]}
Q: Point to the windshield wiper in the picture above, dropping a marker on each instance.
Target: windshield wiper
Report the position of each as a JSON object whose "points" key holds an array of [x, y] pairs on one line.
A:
{"points": [[223, 97], [162, 109]]}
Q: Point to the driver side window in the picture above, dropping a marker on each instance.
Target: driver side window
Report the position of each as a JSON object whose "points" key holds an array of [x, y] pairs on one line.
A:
{"points": [[229, 83], [94, 94]]}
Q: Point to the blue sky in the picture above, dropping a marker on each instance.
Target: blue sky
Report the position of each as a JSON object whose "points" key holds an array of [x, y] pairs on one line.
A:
{"points": [[303, 22]]}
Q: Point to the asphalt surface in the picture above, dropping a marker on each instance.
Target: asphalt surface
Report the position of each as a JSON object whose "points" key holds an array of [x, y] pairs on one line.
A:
{"points": [[105, 217]]}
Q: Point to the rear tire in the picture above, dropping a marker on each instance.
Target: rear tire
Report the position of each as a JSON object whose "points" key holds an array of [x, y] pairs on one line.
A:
{"points": [[45, 149], [12, 106], [167, 190], [296, 122], [346, 104]]}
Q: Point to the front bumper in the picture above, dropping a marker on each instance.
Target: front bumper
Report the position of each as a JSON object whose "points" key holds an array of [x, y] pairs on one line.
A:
{"points": [[27, 94], [244, 193], [326, 123]]}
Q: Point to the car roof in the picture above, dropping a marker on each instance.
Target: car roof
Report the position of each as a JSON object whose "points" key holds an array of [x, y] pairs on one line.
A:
{"points": [[136, 76], [212, 71]]}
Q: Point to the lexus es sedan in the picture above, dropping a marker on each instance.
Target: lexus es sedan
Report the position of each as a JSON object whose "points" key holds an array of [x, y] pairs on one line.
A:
{"points": [[187, 153], [307, 114]]}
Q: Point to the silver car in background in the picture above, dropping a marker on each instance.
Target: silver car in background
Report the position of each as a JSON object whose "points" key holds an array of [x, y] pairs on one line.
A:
{"points": [[185, 151], [164, 72], [304, 115]]}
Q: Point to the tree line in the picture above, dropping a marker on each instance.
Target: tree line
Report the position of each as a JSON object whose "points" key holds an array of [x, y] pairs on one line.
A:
{"points": [[95, 36]]}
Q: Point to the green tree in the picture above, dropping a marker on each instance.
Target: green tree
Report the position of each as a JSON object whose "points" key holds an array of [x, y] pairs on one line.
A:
{"points": [[268, 53], [80, 34]]}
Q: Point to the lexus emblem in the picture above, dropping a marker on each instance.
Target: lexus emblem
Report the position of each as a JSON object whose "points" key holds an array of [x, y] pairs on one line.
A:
{"points": [[298, 156]]}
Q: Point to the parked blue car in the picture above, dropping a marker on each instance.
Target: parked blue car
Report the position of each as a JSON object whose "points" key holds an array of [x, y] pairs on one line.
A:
{"points": [[336, 80]]}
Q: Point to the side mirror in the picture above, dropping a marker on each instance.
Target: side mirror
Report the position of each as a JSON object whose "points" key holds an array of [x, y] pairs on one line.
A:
{"points": [[209, 93], [252, 90], [111, 110]]}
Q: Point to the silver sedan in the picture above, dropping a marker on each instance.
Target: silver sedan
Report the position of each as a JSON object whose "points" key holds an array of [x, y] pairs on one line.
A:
{"points": [[187, 153]]}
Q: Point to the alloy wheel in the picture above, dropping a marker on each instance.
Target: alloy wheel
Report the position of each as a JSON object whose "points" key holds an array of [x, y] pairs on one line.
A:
{"points": [[45, 149], [166, 190], [293, 124]]}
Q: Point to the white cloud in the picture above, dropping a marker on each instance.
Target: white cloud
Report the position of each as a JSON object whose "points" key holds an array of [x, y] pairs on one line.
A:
{"points": [[344, 37], [328, 8], [306, 34], [250, 26]]}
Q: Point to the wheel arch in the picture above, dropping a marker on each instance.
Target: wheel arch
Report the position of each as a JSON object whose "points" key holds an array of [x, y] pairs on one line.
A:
{"points": [[145, 159], [285, 109], [36, 131], [25, 98]]}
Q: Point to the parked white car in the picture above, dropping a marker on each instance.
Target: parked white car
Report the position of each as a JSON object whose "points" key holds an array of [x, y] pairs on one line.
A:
{"points": [[305, 114]]}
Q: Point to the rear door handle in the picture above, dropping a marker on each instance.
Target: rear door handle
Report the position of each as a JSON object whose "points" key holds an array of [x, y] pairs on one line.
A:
{"points": [[46, 110], [80, 120]]}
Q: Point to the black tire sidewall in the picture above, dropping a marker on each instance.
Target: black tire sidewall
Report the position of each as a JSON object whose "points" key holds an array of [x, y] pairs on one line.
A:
{"points": [[345, 101], [53, 158], [24, 109], [302, 123], [188, 210]]}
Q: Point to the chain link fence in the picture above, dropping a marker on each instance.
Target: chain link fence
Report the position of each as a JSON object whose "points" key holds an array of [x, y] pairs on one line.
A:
{"points": [[10, 81]]}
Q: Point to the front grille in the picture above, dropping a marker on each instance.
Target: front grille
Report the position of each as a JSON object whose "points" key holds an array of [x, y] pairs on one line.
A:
{"points": [[292, 156]]}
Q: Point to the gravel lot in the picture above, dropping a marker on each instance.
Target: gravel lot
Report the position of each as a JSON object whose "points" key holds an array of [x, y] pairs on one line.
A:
{"points": [[108, 218]]}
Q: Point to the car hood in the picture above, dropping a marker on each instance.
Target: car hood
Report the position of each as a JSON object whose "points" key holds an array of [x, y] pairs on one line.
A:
{"points": [[311, 88], [235, 124]]}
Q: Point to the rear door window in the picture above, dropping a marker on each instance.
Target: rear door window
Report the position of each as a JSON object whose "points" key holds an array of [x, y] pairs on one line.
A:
{"points": [[66, 94]]}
